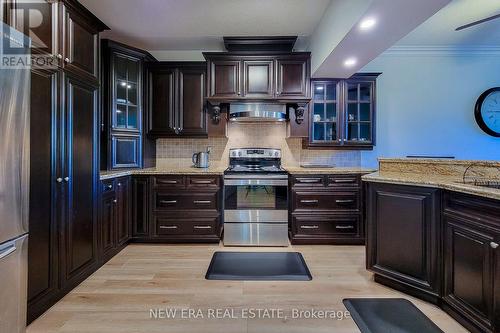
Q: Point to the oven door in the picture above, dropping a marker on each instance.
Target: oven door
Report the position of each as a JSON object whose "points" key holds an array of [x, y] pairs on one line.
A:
{"points": [[256, 199]]}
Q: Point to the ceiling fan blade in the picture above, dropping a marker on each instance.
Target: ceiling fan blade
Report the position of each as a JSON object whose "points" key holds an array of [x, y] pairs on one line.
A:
{"points": [[478, 22]]}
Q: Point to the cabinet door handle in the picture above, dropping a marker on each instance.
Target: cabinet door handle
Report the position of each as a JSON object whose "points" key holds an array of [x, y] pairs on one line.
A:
{"points": [[202, 227], [202, 202], [168, 227], [344, 227], [201, 182], [309, 227], [59, 180], [168, 201], [110, 186], [59, 56], [341, 201], [66, 179], [312, 180], [66, 60], [309, 201], [119, 184], [166, 181], [343, 180], [115, 201], [493, 245]]}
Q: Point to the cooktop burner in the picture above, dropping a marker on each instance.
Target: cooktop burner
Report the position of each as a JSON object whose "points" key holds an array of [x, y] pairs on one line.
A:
{"points": [[255, 160]]}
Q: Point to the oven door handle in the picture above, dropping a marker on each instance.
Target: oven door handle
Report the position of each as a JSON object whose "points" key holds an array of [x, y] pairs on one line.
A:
{"points": [[261, 182]]}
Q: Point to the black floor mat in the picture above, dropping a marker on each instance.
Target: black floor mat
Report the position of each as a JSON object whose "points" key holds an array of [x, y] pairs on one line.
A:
{"points": [[260, 266], [389, 315]]}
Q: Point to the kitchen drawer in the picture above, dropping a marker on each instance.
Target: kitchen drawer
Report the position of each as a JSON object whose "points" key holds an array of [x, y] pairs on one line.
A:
{"points": [[174, 181], [185, 200], [203, 181], [474, 208], [326, 225], [308, 181], [343, 181], [107, 186], [186, 225], [326, 200]]}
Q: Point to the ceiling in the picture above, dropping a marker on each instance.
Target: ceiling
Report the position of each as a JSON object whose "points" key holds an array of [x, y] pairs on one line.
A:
{"points": [[440, 28], [200, 24]]}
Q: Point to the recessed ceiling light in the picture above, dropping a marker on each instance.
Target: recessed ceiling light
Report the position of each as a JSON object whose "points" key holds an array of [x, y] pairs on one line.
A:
{"points": [[350, 62], [367, 23]]}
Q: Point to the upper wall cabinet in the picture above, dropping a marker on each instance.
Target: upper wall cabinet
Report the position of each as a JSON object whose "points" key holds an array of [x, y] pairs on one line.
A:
{"points": [[240, 76], [177, 99], [122, 76], [342, 113], [68, 33]]}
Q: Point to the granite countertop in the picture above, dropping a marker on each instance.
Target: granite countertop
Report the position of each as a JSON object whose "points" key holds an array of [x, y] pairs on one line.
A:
{"points": [[438, 181], [333, 170], [163, 171]]}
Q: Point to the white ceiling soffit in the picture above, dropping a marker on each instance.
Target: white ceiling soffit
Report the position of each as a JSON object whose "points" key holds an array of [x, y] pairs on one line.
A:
{"points": [[439, 30], [182, 25], [394, 20]]}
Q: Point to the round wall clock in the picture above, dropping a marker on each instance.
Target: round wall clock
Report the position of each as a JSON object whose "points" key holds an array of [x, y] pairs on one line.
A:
{"points": [[487, 111]]}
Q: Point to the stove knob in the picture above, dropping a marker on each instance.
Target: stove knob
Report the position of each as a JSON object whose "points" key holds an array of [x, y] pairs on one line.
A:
{"points": [[276, 154], [239, 153], [233, 153], [270, 154]]}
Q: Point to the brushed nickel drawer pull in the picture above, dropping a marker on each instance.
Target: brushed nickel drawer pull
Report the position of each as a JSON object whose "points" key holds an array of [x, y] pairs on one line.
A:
{"points": [[167, 181], [344, 201], [309, 227], [312, 180], [344, 227], [309, 201], [202, 202], [202, 227], [344, 180], [202, 182], [168, 227], [168, 201], [493, 245]]}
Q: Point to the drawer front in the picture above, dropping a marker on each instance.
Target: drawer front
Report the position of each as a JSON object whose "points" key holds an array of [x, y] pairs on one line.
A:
{"points": [[186, 226], [308, 181], [326, 225], [343, 181], [107, 186], [173, 181], [326, 201], [203, 181], [176, 201]]}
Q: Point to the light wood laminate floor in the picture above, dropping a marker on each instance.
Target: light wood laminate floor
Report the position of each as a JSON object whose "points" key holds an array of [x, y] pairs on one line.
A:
{"points": [[118, 297]]}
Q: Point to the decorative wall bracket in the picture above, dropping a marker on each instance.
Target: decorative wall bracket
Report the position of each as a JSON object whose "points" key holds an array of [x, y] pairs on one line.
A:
{"points": [[216, 114]]}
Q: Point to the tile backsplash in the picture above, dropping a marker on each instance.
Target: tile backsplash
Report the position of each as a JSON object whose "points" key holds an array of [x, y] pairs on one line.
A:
{"points": [[178, 152]]}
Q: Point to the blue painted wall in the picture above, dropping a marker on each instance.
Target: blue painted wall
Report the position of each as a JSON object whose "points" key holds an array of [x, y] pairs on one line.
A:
{"points": [[425, 105]]}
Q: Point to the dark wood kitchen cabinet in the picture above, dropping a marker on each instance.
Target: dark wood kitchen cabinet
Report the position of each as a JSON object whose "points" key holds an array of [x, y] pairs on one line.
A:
{"points": [[177, 208], [403, 238], [63, 155], [326, 209], [472, 261], [177, 99], [257, 76], [123, 144], [342, 113], [114, 229], [67, 36]]}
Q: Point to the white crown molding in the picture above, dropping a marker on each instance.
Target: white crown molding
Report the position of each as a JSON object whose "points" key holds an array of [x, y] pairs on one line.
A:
{"points": [[444, 50]]}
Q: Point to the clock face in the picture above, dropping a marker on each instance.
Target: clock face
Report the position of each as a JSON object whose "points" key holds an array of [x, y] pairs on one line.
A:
{"points": [[488, 111]]}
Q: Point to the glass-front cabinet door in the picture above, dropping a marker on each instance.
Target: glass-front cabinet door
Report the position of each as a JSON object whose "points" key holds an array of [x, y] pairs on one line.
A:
{"points": [[359, 106], [343, 112], [126, 105], [325, 115]]}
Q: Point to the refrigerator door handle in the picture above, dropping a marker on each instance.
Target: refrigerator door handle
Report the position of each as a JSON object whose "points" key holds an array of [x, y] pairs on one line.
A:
{"points": [[5, 252]]}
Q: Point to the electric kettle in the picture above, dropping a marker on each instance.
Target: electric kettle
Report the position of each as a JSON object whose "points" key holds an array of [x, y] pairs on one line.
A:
{"points": [[201, 159]]}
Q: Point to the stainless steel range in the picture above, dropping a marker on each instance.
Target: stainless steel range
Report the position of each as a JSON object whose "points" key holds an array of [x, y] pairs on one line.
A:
{"points": [[255, 198]]}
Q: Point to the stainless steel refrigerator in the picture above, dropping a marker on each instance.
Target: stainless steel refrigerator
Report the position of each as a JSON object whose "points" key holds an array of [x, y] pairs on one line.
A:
{"points": [[14, 183]]}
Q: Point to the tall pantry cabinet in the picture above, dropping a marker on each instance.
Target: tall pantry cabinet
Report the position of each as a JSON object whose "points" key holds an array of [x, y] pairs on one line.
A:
{"points": [[64, 146]]}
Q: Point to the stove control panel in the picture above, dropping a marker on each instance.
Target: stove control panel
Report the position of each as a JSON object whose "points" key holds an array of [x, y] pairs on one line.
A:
{"points": [[255, 153]]}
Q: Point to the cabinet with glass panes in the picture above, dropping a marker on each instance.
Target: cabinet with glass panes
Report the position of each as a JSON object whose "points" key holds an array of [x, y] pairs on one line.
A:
{"points": [[343, 112], [123, 142]]}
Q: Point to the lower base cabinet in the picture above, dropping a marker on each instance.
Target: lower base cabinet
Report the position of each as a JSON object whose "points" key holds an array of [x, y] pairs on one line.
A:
{"points": [[177, 208], [412, 232]]}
